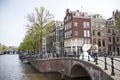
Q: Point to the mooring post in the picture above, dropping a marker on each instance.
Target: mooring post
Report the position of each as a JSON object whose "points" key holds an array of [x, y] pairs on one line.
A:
{"points": [[105, 63], [112, 66], [62, 74]]}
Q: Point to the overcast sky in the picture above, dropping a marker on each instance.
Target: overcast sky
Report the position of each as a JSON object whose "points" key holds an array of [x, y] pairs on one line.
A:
{"points": [[13, 14]]}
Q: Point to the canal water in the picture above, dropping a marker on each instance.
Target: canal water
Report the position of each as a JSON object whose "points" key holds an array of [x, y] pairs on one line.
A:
{"points": [[11, 68]]}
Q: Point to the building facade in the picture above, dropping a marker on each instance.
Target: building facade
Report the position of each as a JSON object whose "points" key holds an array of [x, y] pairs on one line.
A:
{"points": [[113, 35], [98, 32], [77, 29], [54, 43], [61, 39]]}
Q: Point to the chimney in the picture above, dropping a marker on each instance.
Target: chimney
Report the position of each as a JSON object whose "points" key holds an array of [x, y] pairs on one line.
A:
{"points": [[67, 11], [77, 10], [113, 13]]}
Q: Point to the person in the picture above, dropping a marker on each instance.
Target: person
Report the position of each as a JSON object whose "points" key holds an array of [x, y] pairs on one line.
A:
{"points": [[65, 54], [89, 52], [81, 50], [78, 51], [95, 51], [74, 53]]}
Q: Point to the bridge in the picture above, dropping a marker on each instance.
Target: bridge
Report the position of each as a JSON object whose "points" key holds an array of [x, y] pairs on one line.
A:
{"points": [[105, 68]]}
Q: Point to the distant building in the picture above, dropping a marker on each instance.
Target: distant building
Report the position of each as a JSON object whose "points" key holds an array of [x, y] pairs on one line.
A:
{"points": [[58, 25], [61, 39], [98, 31], [113, 35], [77, 29], [53, 42]]}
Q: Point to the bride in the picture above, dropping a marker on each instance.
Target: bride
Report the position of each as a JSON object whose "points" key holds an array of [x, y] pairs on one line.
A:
{"points": [[85, 49]]}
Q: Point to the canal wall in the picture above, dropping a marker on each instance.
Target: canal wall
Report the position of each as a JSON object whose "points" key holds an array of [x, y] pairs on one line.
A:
{"points": [[71, 68]]}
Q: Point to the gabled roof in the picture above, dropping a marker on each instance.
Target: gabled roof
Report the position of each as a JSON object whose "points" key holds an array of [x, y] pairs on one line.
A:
{"points": [[110, 18]]}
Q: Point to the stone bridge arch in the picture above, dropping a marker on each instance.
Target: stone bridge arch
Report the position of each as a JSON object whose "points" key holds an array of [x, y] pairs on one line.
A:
{"points": [[71, 67], [79, 71]]}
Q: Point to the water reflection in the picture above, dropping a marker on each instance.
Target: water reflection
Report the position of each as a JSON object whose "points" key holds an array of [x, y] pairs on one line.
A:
{"points": [[11, 68]]}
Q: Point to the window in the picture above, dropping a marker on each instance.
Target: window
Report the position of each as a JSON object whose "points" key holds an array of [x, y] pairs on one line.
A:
{"points": [[70, 25], [65, 35], [93, 32], [103, 43], [117, 39], [93, 23], [87, 41], [113, 32], [65, 27], [109, 39], [103, 33], [108, 30], [99, 43], [70, 33], [75, 24], [117, 31], [113, 40], [96, 25], [67, 18], [76, 33], [86, 33], [98, 33], [86, 24], [94, 40]]}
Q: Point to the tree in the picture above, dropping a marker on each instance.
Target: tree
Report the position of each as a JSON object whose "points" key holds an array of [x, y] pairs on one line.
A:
{"points": [[5, 47], [40, 25], [117, 22], [30, 41]]}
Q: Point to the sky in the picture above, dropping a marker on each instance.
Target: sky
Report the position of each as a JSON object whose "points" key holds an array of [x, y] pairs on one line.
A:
{"points": [[13, 14]]}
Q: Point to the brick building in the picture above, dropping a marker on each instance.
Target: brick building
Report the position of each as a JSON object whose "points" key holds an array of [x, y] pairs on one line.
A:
{"points": [[77, 29]]}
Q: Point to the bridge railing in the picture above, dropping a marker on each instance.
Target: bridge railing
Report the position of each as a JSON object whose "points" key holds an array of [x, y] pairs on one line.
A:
{"points": [[110, 62], [115, 63]]}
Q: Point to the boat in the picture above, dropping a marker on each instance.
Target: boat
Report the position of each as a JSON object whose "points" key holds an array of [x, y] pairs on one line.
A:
{"points": [[26, 61]]}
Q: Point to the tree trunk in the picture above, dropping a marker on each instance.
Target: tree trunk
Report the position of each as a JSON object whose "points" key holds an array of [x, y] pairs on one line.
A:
{"points": [[40, 48]]}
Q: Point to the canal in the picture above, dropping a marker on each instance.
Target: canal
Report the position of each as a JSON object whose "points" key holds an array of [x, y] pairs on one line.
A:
{"points": [[11, 68]]}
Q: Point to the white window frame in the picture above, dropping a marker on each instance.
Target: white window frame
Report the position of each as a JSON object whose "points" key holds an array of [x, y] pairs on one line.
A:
{"points": [[76, 33], [86, 33], [88, 24], [70, 24], [75, 24], [84, 24]]}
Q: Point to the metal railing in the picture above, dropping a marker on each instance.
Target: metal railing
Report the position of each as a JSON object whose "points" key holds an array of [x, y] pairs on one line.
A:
{"points": [[106, 64]]}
